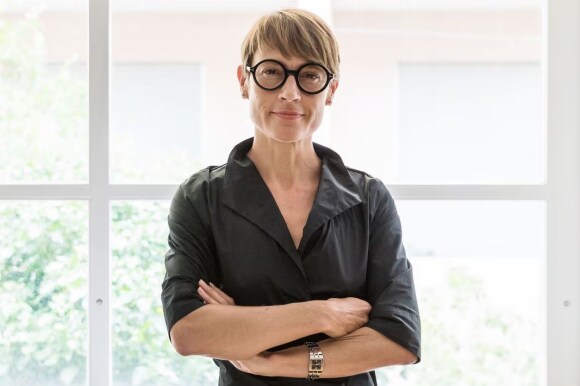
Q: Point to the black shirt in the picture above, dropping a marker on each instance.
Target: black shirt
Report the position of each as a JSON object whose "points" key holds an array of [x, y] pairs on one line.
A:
{"points": [[225, 227]]}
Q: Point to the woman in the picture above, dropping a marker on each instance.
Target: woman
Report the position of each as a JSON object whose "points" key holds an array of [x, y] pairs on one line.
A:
{"points": [[284, 265]]}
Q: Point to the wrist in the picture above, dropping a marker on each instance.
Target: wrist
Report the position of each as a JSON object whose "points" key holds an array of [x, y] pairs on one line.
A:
{"points": [[292, 362], [268, 364], [320, 316], [273, 363]]}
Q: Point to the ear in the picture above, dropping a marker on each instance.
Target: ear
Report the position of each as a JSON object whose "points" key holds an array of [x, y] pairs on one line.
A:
{"points": [[242, 80], [332, 90]]}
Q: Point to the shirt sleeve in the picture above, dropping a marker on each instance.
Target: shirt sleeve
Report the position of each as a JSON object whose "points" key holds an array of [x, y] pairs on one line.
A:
{"points": [[390, 285], [191, 254]]}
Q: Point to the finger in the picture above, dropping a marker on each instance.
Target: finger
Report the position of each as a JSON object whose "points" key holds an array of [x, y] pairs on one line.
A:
{"points": [[236, 365], [206, 298], [223, 294], [219, 291], [243, 367], [240, 366], [216, 293], [212, 293]]}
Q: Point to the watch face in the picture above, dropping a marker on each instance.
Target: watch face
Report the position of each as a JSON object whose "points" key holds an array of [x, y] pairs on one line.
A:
{"points": [[316, 364]]}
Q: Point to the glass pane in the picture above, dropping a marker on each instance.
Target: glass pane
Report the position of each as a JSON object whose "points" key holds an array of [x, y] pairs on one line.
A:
{"points": [[480, 277], [467, 112], [432, 84], [155, 122], [43, 292], [142, 352], [440, 92], [175, 101], [43, 97]]}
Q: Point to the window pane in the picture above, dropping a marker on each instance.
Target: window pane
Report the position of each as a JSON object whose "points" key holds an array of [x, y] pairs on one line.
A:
{"points": [[441, 92], [175, 100], [43, 101], [155, 122], [142, 352], [43, 292], [486, 115], [480, 277]]}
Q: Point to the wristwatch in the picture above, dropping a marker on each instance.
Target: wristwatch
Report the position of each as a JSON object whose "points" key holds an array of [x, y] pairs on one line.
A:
{"points": [[316, 360]]}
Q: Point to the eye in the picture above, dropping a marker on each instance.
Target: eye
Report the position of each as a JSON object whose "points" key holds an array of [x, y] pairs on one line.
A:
{"points": [[311, 76], [271, 71]]}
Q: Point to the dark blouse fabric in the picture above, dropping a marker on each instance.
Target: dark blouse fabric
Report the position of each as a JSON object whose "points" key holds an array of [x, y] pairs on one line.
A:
{"points": [[225, 227]]}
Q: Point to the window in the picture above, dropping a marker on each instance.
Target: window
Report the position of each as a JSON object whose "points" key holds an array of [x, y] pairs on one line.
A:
{"points": [[156, 118], [479, 272], [489, 116], [452, 104], [44, 284]]}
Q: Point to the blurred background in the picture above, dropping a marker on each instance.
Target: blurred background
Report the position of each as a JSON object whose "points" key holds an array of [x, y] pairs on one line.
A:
{"points": [[439, 93]]}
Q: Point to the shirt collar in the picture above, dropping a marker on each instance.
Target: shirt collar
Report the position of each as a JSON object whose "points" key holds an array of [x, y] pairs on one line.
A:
{"points": [[246, 193]]}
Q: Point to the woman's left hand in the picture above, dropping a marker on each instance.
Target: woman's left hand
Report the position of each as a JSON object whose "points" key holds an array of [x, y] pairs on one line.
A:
{"points": [[213, 295], [258, 365]]}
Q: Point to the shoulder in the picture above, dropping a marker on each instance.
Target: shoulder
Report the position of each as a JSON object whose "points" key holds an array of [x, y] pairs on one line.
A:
{"points": [[203, 180], [195, 193], [372, 189], [377, 199]]}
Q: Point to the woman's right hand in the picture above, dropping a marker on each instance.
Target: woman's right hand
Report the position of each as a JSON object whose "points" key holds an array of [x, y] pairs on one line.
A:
{"points": [[345, 315]]}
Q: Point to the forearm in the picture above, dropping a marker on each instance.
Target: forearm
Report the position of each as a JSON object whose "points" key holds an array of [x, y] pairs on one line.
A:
{"points": [[236, 332], [362, 350]]}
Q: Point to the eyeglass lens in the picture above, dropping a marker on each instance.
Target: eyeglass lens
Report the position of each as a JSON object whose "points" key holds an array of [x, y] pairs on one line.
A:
{"points": [[311, 78]]}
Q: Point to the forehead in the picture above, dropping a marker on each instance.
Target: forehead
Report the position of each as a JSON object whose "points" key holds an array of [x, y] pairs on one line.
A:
{"points": [[273, 53]]}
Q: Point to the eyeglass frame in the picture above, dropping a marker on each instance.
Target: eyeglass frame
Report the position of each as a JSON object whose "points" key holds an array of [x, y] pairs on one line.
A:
{"points": [[288, 72]]}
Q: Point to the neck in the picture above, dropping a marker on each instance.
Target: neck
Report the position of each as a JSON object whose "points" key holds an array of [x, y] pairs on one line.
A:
{"points": [[285, 164]]}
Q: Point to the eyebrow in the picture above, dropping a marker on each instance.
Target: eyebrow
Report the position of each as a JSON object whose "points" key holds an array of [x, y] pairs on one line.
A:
{"points": [[285, 64]]}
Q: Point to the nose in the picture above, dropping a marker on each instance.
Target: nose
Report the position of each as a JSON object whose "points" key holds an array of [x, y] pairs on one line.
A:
{"points": [[289, 90]]}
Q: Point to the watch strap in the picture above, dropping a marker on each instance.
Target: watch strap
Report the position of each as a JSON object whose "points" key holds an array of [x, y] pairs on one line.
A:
{"points": [[315, 360]]}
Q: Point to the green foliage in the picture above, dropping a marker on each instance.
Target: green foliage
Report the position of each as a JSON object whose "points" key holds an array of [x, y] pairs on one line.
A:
{"points": [[43, 287], [468, 340], [43, 113], [142, 354], [43, 245]]}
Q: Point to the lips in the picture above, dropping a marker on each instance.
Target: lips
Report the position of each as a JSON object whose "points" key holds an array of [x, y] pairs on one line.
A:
{"points": [[287, 114]]}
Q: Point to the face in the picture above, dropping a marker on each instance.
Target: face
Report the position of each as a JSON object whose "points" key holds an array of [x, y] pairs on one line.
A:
{"points": [[285, 114]]}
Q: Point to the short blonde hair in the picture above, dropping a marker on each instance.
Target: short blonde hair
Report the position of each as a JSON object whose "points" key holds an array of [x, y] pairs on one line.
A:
{"points": [[296, 33]]}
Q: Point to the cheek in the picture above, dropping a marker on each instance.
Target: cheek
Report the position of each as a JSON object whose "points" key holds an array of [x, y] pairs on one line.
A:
{"points": [[318, 113], [258, 113]]}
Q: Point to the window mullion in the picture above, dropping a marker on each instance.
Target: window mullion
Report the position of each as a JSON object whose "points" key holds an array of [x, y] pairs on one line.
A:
{"points": [[563, 263], [99, 304], [468, 192]]}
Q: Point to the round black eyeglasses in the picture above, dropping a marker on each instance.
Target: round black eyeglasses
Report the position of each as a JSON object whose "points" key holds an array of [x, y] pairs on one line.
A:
{"points": [[311, 78]]}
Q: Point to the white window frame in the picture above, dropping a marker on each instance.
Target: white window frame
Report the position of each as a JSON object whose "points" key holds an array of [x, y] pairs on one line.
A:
{"points": [[561, 192]]}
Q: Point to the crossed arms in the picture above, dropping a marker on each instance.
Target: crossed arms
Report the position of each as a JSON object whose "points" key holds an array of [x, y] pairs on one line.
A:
{"points": [[242, 335]]}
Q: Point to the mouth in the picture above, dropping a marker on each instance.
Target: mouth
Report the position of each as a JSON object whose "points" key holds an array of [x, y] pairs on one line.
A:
{"points": [[287, 114]]}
